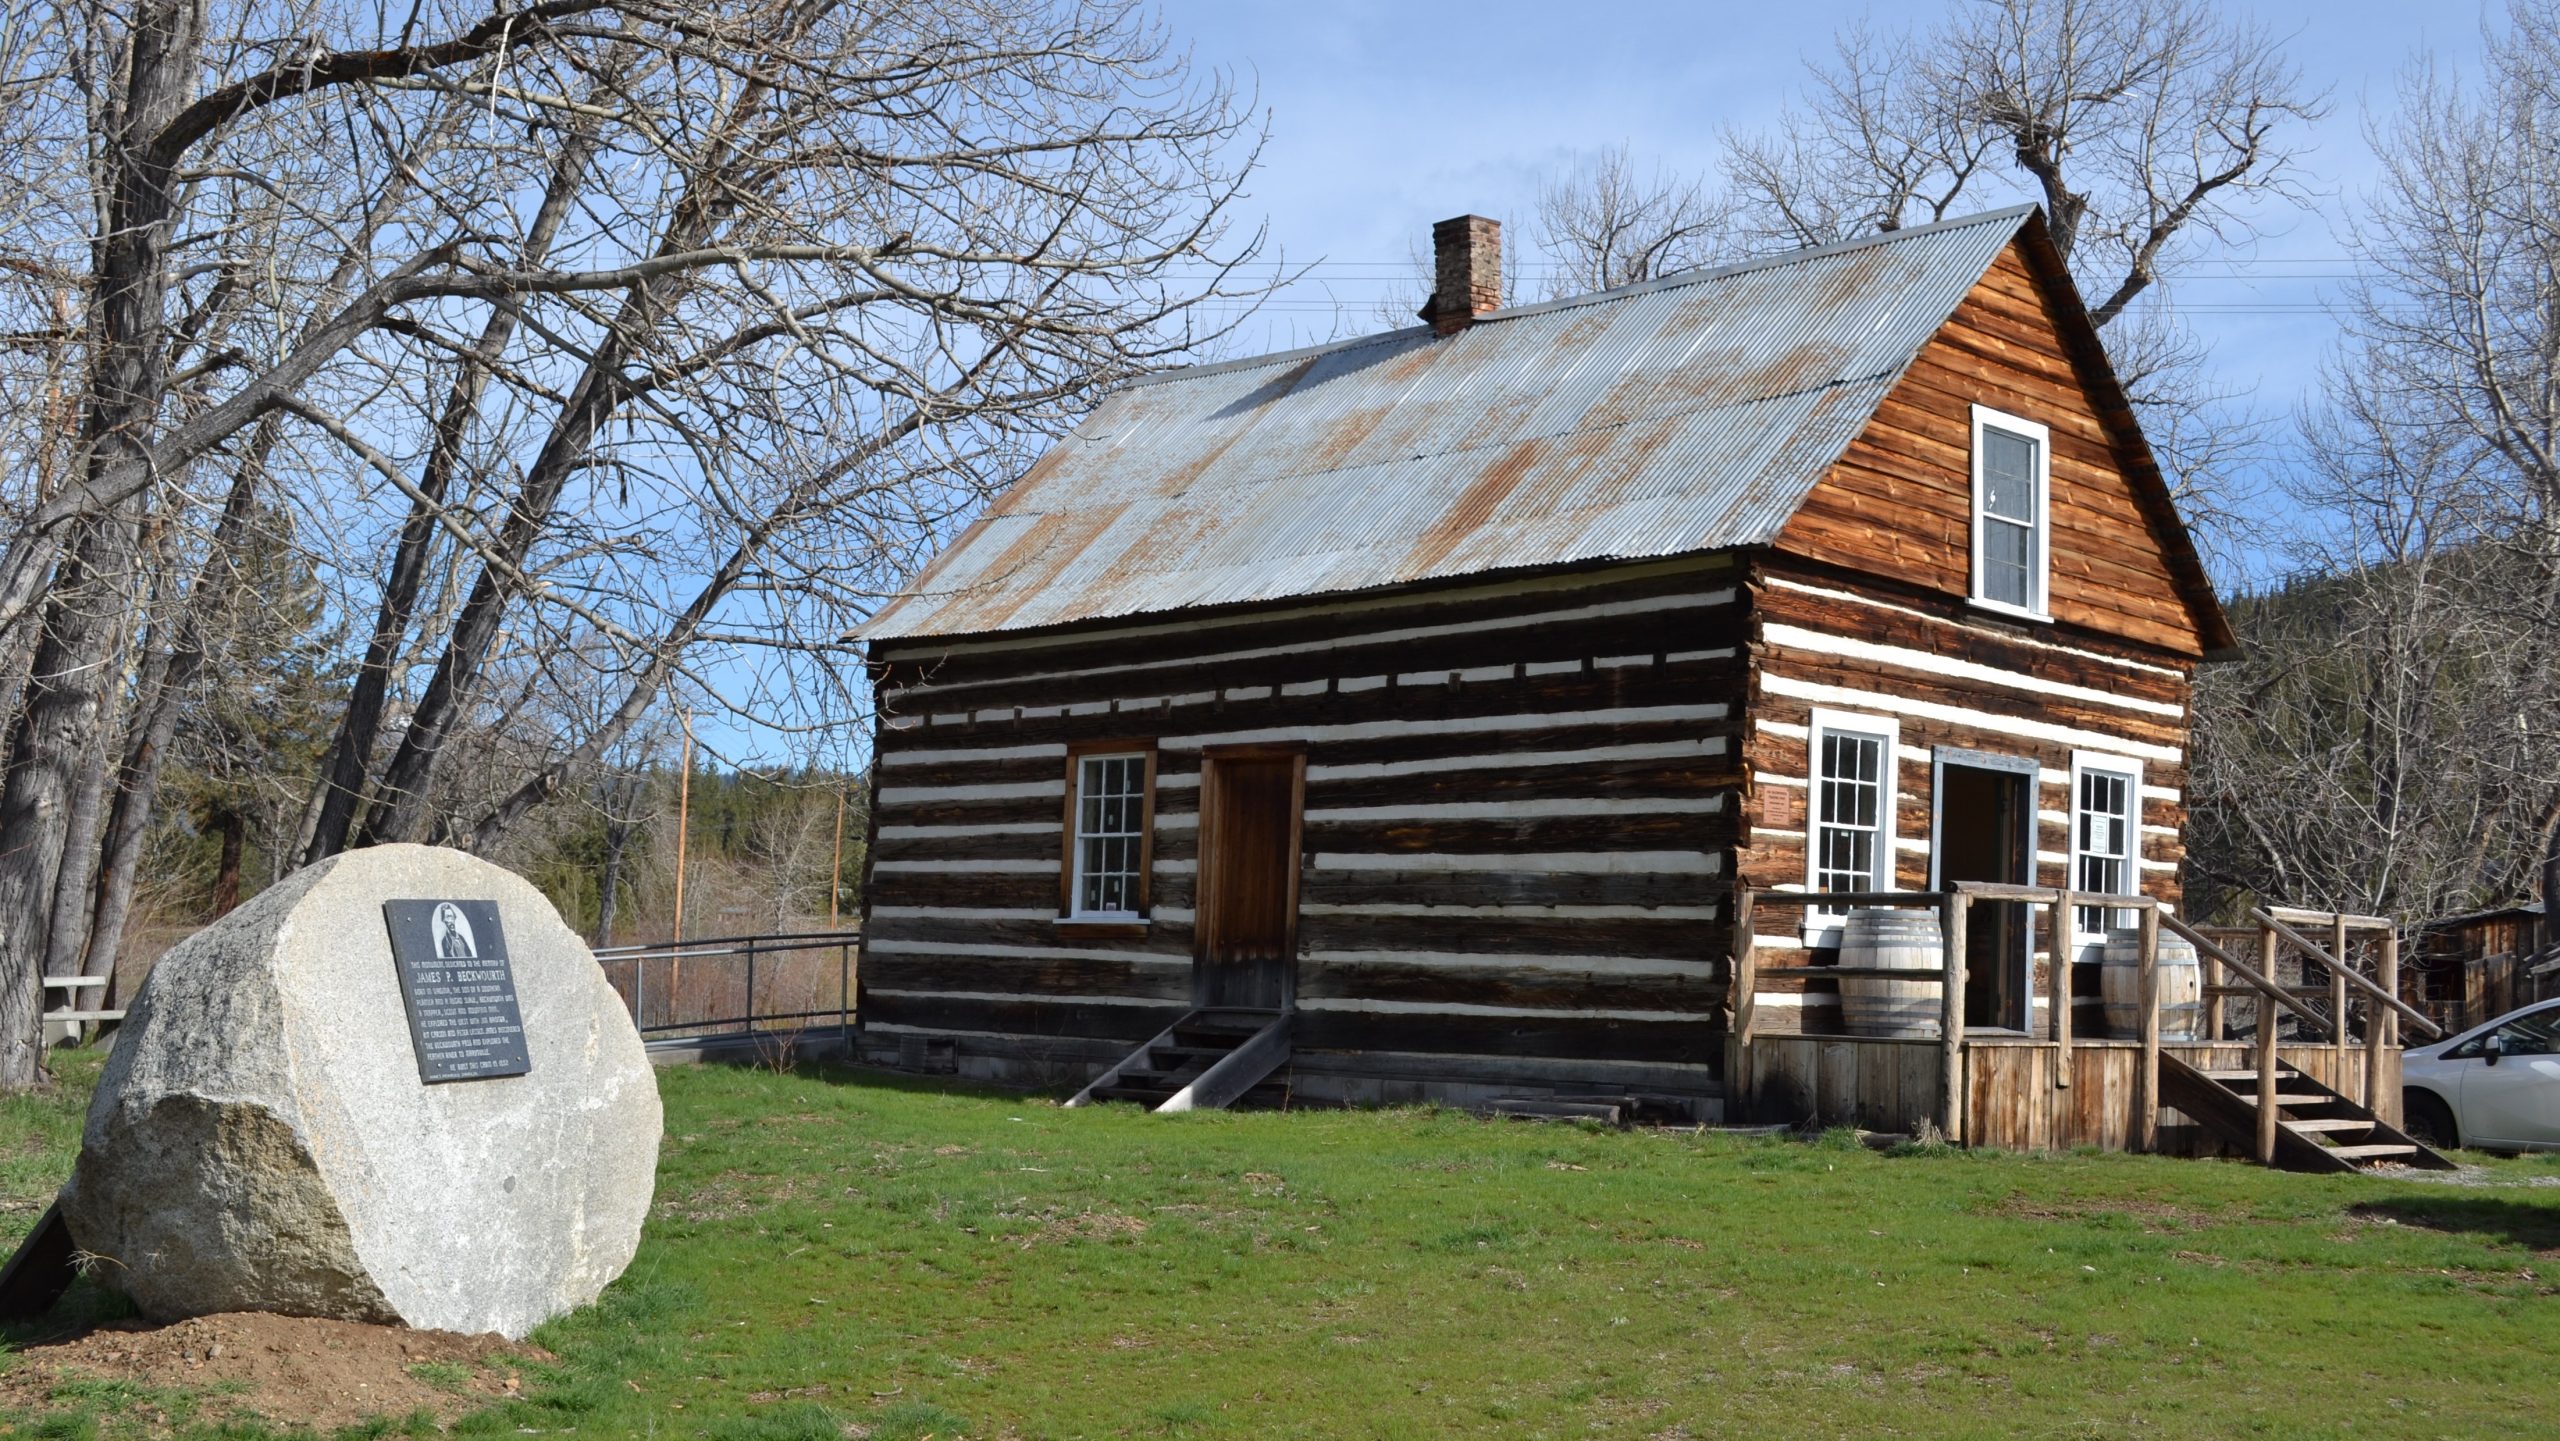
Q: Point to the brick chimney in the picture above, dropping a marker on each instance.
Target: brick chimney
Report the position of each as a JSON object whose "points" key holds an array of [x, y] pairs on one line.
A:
{"points": [[1466, 269]]}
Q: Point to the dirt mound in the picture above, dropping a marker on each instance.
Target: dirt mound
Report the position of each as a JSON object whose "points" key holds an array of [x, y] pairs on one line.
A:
{"points": [[287, 1369]]}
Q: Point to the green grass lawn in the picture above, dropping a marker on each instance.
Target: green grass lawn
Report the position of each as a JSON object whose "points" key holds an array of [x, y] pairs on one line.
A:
{"points": [[837, 1254]]}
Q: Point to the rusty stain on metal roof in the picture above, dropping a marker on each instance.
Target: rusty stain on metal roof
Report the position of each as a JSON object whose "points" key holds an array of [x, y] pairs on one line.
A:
{"points": [[1682, 415]]}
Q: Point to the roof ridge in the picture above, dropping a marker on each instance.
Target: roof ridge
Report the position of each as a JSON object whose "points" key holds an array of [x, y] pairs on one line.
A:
{"points": [[1594, 297]]}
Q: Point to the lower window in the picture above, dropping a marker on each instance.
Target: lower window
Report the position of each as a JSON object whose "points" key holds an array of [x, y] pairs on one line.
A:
{"points": [[1849, 830], [2106, 825], [1107, 849]]}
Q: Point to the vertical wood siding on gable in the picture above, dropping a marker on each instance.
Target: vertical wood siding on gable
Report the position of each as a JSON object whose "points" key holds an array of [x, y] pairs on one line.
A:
{"points": [[1899, 503], [1515, 847]]}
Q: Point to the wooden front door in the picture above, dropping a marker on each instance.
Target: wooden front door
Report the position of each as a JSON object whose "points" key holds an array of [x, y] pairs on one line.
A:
{"points": [[1246, 941], [1984, 823]]}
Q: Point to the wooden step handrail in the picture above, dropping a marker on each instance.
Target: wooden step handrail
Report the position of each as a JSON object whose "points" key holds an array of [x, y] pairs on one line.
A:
{"points": [[2266, 989], [2353, 922], [2338, 967]]}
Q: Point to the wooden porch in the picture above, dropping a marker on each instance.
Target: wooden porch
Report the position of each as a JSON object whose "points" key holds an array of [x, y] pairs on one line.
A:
{"points": [[2299, 1047]]}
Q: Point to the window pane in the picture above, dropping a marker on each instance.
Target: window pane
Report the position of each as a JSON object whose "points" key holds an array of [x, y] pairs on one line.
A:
{"points": [[2534, 1035], [1851, 795], [2008, 563], [2103, 845], [1110, 825], [2008, 475]]}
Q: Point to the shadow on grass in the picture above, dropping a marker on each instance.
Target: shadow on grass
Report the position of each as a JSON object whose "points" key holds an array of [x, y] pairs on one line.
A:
{"points": [[2518, 1223]]}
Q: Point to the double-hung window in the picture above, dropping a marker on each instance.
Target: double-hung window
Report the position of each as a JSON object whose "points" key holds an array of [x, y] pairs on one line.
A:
{"points": [[1110, 813], [2106, 836], [2011, 479], [1849, 816]]}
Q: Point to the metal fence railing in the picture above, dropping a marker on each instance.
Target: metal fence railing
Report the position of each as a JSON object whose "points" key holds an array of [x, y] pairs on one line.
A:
{"points": [[736, 984]]}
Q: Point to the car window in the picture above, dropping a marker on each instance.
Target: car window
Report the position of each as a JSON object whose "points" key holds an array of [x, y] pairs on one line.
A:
{"points": [[2536, 1033]]}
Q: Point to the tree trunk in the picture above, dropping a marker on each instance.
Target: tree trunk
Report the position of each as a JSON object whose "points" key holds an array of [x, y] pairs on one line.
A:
{"points": [[399, 808], [85, 607], [226, 876], [84, 822], [342, 771], [617, 834], [167, 677]]}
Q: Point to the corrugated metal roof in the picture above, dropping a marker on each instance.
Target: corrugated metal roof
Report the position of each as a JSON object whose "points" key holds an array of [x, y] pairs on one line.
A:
{"points": [[1682, 415]]}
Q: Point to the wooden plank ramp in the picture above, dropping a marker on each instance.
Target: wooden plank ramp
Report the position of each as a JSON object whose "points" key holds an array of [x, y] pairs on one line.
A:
{"points": [[2316, 1128]]}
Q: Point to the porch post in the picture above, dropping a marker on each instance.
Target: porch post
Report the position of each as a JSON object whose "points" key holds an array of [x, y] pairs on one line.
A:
{"points": [[2267, 1047], [2146, 1068], [2382, 1032], [2338, 992], [2058, 984], [1951, 1022]]}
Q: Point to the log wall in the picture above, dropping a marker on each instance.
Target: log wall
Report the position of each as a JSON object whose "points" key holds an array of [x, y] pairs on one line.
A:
{"points": [[1948, 678], [1520, 800], [1863, 606]]}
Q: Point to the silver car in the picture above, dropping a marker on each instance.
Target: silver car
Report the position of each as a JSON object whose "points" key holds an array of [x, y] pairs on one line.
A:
{"points": [[2494, 1087]]}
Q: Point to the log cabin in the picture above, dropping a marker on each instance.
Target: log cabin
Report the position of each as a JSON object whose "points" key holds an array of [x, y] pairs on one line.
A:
{"points": [[1413, 708]]}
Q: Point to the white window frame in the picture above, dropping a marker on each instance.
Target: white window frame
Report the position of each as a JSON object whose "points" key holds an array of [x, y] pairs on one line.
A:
{"points": [[1145, 763], [2130, 771], [1821, 926], [2040, 564]]}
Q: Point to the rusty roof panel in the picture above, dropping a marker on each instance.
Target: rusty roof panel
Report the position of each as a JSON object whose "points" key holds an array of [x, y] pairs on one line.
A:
{"points": [[1682, 415]]}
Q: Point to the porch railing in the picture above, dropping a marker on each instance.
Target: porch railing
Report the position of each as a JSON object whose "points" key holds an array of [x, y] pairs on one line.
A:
{"points": [[736, 984], [2277, 929]]}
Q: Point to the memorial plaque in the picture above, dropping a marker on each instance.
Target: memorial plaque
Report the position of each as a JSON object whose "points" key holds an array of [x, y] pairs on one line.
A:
{"points": [[459, 991]]}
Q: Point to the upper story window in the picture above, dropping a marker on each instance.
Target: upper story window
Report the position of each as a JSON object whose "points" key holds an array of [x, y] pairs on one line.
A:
{"points": [[1849, 838], [2012, 471], [2106, 829], [1111, 805]]}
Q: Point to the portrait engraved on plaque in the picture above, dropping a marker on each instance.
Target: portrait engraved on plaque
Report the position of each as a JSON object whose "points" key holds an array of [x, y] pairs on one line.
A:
{"points": [[460, 994]]}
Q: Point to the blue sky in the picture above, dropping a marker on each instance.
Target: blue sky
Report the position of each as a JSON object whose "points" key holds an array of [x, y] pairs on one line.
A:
{"points": [[1387, 117]]}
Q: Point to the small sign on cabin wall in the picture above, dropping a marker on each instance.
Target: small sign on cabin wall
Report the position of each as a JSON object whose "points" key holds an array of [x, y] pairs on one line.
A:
{"points": [[1781, 807], [458, 988]]}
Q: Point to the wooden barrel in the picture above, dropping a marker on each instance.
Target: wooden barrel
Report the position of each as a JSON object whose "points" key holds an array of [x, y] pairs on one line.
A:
{"points": [[2181, 986], [1896, 940]]}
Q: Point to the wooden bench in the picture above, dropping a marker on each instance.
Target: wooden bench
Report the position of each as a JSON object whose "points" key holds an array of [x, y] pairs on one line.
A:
{"points": [[71, 1014]]}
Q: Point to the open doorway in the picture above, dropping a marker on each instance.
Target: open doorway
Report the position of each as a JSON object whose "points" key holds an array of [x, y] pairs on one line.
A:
{"points": [[1982, 828]]}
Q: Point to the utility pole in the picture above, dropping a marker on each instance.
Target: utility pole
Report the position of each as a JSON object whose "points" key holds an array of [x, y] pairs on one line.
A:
{"points": [[684, 807], [835, 875]]}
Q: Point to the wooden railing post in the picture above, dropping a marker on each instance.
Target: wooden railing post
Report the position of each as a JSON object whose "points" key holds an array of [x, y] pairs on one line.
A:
{"points": [[2058, 981], [2209, 970], [1951, 1022], [2146, 1070], [2338, 991], [2382, 1033], [2267, 1049], [1746, 1007]]}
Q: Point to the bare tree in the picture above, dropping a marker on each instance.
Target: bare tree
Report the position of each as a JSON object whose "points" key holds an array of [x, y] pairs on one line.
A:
{"points": [[657, 335], [2149, 130], [1609, 225], [2143, 126], [2405, 705]]}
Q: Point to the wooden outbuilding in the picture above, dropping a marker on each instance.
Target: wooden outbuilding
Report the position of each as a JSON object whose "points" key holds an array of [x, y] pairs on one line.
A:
{"points": [[2479, 966], [1409, 712]]}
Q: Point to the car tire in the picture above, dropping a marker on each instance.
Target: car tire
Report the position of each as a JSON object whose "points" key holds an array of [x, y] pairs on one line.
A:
{"points": [[2429, 1121]]}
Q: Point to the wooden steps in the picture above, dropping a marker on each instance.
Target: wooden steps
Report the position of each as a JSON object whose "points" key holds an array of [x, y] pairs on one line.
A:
{"points": [[1209, 1060], [2316, 1128]]}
